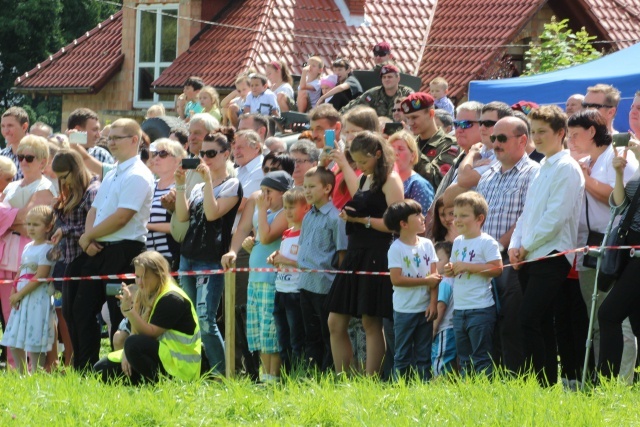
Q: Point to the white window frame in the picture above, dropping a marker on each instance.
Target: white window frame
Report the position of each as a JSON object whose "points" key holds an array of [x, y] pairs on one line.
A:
{"points": [[156, 65]]}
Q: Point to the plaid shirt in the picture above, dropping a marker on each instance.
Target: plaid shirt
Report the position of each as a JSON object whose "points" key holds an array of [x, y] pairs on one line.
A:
{"points": [[72, 224], [14, 157], [505, 194], [102, 155]]}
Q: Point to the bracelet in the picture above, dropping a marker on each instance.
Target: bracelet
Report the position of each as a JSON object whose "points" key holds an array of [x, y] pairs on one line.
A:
{"points": [[126, 311], [181, 187]]}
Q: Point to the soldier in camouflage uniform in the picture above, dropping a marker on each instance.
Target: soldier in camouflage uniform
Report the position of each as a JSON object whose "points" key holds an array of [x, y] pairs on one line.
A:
{"points": [[381, 98], [437, 148], [382, 56]]}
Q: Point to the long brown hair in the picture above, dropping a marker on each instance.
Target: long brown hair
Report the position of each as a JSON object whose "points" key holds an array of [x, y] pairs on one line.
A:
{"points": [[67, 161], [369, 143], [145, 299]]}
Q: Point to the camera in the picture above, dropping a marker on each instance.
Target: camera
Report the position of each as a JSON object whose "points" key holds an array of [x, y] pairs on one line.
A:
{"points": [[113, 289]]}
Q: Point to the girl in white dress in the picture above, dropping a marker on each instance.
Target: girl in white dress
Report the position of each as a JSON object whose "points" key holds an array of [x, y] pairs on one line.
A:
{"points": [[31, 324]]}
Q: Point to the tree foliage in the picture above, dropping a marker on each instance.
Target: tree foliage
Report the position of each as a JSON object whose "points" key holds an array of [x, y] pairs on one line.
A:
{"points": [[31, 30], [559, 47]]}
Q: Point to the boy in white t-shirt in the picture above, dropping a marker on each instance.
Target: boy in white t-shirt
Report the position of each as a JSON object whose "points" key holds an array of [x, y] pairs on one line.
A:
{"points": [[475, 260], [261, 99], [286, 311], [412, 264], [443, 350]]}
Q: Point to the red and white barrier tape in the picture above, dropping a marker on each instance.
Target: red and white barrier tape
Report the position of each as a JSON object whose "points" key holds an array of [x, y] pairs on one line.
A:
{"points": [[130, 276]]}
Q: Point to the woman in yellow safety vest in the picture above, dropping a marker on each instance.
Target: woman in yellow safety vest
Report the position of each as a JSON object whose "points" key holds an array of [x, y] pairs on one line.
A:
{"points": [[165, 336]]}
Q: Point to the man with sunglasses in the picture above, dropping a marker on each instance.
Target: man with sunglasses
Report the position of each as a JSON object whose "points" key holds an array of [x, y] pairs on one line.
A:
{"points": [[437, 149], [481, 155], [14, 124], [504, 185], [604, 98], [382, 56], [116, 229]]}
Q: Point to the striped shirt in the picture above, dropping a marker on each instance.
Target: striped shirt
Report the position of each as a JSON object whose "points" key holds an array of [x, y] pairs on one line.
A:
{"points": [[7, 152], [158, 241], [505, 194], [102, 155]]}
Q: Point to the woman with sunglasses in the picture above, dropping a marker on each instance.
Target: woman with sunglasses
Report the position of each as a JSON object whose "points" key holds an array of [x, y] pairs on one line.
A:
{"points": [[547, 227], [165, 158], [78, 188], [32, 190], [210, 209]]}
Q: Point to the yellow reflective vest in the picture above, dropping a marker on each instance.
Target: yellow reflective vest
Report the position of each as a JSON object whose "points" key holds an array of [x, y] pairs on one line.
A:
{"points": [[179, 353]]}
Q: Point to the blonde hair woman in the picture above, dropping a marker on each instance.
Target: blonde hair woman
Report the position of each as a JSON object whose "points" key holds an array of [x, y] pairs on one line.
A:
{"points": [[165, 336]]}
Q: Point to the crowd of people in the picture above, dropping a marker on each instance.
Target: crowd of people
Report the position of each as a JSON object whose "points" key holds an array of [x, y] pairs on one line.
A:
{"points": [[471, 215]]}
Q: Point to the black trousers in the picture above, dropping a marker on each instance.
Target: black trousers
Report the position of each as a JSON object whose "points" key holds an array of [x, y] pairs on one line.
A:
{"points": [[507, 337], [623, 301], [142, 354], [540, 283], [571, 326], [82, 300], [316, 329]]}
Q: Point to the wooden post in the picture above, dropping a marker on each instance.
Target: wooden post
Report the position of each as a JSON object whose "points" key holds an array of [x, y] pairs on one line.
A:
{"points": [[230, 323]]}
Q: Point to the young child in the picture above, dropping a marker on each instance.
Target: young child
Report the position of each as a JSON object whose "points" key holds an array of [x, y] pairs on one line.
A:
{"points": [[326, 84], [309, 89], [210, 102], [156, 110], [323, 239], [287, 312], [438, 88], [475, 260], [31, 325], [443, 350], [412, 264], [233, 104], [191, 90], [261, 99]]}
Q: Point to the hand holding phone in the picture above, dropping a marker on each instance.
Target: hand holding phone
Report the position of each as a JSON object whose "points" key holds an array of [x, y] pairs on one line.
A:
{"points": [[78, 138], [329, 139], [190, 163]]}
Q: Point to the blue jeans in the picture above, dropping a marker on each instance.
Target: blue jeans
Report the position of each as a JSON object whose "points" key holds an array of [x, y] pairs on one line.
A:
{"points": [[413, 335], [206, 292], [474, 339], [289, 327]]}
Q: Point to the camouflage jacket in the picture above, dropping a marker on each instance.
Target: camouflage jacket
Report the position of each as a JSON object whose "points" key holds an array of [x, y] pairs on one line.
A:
{"points": [[377, 99], [436, 157]]}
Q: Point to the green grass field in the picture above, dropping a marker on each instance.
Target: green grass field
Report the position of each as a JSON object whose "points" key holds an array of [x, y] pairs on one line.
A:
{"points": [[69, 399]]}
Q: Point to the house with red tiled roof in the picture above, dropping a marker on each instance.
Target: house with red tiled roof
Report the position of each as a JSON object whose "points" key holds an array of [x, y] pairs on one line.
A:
{"points": [[144, 53]]}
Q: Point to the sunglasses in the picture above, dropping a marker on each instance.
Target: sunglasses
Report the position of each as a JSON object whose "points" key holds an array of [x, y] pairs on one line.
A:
{"points": [[28, 157], [502, 138], [595, 106], [487, 123], [395, 110], [464, 124], [210, 154], [268, 169], [382, 53], [162, 153]]}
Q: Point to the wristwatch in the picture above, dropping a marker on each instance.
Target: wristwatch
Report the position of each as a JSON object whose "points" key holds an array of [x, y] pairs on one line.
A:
{"points": [[368, 224]]}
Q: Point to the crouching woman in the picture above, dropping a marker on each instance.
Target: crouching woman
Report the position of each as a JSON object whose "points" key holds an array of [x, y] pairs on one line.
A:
{"points": [[165, 336]]}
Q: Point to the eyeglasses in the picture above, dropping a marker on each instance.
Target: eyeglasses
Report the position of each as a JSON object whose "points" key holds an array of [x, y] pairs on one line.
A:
{"points": [[28, 157], [395, 110], [210, 153], [300, 161], [464, 124], [66, 175], [113, 138], [595, 106], [268, 169], [487, 123], [502, 138], [162, 153]]}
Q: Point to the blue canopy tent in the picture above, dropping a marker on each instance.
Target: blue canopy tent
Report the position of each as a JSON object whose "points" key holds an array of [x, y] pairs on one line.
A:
{"points": [[620, 69]]}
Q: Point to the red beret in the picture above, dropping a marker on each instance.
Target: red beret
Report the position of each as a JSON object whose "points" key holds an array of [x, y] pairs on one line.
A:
{"points": [[382, 47], [389, 68], [416, 102], [524, 106]]}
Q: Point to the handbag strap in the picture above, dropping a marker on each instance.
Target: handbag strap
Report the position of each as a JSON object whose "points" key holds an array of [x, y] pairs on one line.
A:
{"points": [[586, 201], [626, 222]]}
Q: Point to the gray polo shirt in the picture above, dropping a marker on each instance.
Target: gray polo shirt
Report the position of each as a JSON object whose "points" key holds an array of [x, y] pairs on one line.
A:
{"points": [[322, 234]]}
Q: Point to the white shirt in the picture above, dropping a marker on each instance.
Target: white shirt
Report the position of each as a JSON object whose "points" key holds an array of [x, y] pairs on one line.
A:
{"points": [[130, 186], [250, 177], [473, 291], [599, 213], [414, 261], [286, 281], [549, 220], [263, 103]]}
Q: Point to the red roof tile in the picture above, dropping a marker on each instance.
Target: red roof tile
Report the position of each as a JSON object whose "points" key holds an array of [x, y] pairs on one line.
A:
{"points": [[84, 66], [620, 18], [483, 24], [292, 30]]}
